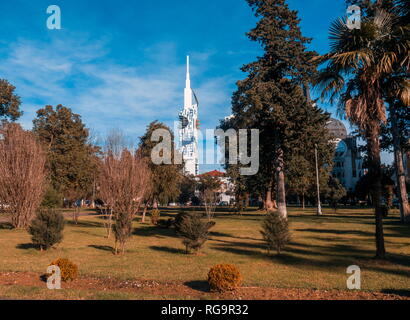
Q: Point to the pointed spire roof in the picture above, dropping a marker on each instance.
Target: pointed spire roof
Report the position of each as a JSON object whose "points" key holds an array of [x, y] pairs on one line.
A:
{"points": [[188, 77]]}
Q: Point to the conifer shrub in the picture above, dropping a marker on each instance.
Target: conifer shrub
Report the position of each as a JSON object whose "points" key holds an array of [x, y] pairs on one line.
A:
{"points": [[46, 229], [178, 219], [224, 277], [275, 231], [155, 214], [69, 270], [52, 199], [193, 230]]}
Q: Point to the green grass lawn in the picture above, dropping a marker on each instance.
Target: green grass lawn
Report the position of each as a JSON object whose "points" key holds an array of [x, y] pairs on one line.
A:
{"points": [[320, 251]]}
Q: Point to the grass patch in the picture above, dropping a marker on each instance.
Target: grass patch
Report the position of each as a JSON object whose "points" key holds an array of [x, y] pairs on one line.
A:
{"points": [[317, 257]]}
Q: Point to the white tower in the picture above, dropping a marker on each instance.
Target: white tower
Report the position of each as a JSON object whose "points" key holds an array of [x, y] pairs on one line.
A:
{"points": [[188, 128]]}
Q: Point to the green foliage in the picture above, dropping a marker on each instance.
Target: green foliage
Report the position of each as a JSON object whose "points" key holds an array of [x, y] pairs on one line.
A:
{"points": [[274, 98], [187, 189], [334, 191], [71, 158], [9, 102], [155, 214], [224, 277], [46, 228], [364, 185], [166, 178], [69, 270], [192, 229], [208, 182], [275, 232], [52, 198]]}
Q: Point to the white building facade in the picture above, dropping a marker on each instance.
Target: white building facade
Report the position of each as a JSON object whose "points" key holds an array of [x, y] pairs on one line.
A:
{"points": [[188, 128], [348, 162]]}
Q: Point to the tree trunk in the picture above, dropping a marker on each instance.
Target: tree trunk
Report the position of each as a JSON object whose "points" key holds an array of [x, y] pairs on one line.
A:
{"points": [[155, 204], [269, 206], [144, 212], [109, 227], [303, 201], [400, 174], [373, 146], [280, 186]]}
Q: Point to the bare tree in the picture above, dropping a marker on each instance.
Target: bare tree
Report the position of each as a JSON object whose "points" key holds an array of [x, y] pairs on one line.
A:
{"points": [[22, 174], [124, 184], [209, 187]]}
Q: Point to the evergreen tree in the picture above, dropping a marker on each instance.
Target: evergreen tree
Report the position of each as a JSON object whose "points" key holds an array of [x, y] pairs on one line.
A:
{"points": [[46, 228], [72, 159], [52, 199], [274, 97], [166, 178], [193, 230], [275, 231], [187, 189], [9, 102], [334, 192]]}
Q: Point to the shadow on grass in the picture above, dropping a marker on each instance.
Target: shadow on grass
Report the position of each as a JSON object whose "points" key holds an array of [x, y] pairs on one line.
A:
{"points": [[334, 231], [220, 234], [321, 257], [149, 231], [103, 248], [6, 226], [168, 249], [85, 224], [27, 246], [198, 285]]}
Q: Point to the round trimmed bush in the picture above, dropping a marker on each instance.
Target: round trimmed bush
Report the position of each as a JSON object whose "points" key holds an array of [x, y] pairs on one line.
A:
{"points": [[69, 270], [224, 277]]}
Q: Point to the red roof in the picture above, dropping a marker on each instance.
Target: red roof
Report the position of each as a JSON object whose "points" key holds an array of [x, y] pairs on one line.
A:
{"points": [[214, 173]]}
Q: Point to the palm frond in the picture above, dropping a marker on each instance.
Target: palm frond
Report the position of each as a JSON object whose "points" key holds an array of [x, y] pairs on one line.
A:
{"points": [[330, 83]]}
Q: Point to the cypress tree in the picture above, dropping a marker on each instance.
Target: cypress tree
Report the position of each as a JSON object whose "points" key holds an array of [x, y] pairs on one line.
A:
{"points": [[274, 98]]}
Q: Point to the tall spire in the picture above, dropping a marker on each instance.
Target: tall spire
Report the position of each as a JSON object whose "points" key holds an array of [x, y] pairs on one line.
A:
{"points": [[187, 91], [188, 78]]}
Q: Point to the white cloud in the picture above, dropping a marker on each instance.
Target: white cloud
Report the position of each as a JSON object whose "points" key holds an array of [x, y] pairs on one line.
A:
{"points": [[80, 74]]}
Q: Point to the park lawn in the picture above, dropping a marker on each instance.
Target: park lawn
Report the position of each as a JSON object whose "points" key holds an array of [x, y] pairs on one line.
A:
{"points": [[317, 257]]}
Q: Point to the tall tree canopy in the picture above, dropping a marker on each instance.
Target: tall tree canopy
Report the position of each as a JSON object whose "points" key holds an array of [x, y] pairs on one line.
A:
{"points": [[166, 178], [9, 102], [71, 159], [274, 97], [357, 67]]}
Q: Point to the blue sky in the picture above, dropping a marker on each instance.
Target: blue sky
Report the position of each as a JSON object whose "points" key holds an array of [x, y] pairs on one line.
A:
{"points": [[121, 64]]}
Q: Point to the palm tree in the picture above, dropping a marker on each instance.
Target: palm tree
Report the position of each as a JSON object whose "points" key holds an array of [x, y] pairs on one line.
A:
{"points": [[396, 90], [357, 64]]}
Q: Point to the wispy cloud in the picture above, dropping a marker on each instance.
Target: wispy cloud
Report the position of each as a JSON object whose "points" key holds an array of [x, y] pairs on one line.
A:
{"points": [[80, 74]]}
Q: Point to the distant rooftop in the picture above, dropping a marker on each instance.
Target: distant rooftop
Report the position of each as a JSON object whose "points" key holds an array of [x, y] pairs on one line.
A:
{"points": [[337, 129], [214, 173]]}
